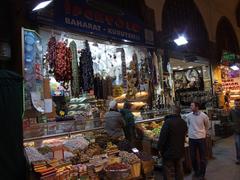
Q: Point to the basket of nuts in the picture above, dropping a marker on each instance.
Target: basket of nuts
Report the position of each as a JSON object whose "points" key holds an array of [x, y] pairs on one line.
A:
{"points": [[117, 171]]}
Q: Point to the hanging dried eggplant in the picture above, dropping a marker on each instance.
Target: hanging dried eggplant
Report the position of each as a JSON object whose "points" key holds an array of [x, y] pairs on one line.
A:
{"points": [[86, 68], [75, 86]]}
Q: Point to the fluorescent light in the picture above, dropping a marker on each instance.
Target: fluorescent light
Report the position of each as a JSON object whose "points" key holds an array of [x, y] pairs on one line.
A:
{"points": [[234, 67], [125, 40], [42, 5], [190, 67], [180, 69], [181, 40], [174, 68]]}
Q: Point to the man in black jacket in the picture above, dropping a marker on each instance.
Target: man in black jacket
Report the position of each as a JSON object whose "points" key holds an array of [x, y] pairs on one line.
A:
{"points": [[171, 145]]}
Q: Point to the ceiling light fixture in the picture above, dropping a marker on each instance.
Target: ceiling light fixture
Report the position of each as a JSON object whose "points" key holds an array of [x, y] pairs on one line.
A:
{"points": [[190, 67], [181, 40], [42, 5], [127, 41], [234, 67]]}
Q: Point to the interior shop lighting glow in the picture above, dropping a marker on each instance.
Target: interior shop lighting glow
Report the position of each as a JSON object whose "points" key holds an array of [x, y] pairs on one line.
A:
{"points": [[234, 67], [125, 40], [42, 5], [181, 40], [190, 67]]}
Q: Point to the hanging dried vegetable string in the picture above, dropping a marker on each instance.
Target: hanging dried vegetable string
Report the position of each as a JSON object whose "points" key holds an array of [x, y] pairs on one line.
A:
{"points": [[136, 74], [86, 68], [51, 53], [124, 66], [75, 86], [63, 64]]}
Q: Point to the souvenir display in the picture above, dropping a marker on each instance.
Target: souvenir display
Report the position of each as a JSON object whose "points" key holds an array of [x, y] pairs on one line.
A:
{"points": [[71, 143], [186, 97], [189, 79], [33, 66]]}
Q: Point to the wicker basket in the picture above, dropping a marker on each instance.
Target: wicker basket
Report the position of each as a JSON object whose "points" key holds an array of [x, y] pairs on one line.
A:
{"points": [[136, 170], [64, 175], [117, 174], [147, 166], [49, 177]]}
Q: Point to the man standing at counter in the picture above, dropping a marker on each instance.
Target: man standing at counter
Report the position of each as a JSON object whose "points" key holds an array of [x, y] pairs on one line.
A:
{"points": [[171, 145], [198, 124]]}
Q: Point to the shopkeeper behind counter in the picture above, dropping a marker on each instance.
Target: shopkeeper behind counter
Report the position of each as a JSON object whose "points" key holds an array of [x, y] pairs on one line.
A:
{"points": [[114, 123]]}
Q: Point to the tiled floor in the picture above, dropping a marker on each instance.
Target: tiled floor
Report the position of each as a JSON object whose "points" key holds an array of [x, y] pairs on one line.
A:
{"points": [[223, 166]]}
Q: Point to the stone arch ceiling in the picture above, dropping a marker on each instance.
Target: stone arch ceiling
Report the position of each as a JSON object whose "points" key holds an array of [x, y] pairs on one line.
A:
{"points": [[211, 11], [157, 6], [219, 8], [226, 37], [237, 13], [203, 7], [185, 18]]}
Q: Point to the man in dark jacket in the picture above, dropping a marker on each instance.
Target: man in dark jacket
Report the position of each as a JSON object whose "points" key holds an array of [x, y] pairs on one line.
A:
{"points": [[171, 145], [235, 119]]}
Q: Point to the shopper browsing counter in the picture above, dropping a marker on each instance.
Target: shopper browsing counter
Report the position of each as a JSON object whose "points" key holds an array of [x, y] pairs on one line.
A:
{"points": [[114, 123]]}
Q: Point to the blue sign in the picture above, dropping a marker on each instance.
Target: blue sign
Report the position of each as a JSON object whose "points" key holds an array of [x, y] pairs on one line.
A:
{"points": [[81, 16]]}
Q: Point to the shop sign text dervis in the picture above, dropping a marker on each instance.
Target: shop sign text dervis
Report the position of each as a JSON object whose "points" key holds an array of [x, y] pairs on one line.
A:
{"points": [[78, 15]]}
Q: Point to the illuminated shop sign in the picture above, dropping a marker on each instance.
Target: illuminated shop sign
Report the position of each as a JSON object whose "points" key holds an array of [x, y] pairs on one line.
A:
{"points": [[229, 57], [79, 16], [231, 84]]}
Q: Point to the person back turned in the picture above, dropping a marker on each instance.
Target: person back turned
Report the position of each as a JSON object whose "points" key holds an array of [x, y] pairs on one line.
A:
{"points": [[114, 123], [171, 144]]}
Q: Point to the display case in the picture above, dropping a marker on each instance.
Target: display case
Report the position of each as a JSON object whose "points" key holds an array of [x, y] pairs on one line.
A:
{"points": [[59, 129], [85, 154]]}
